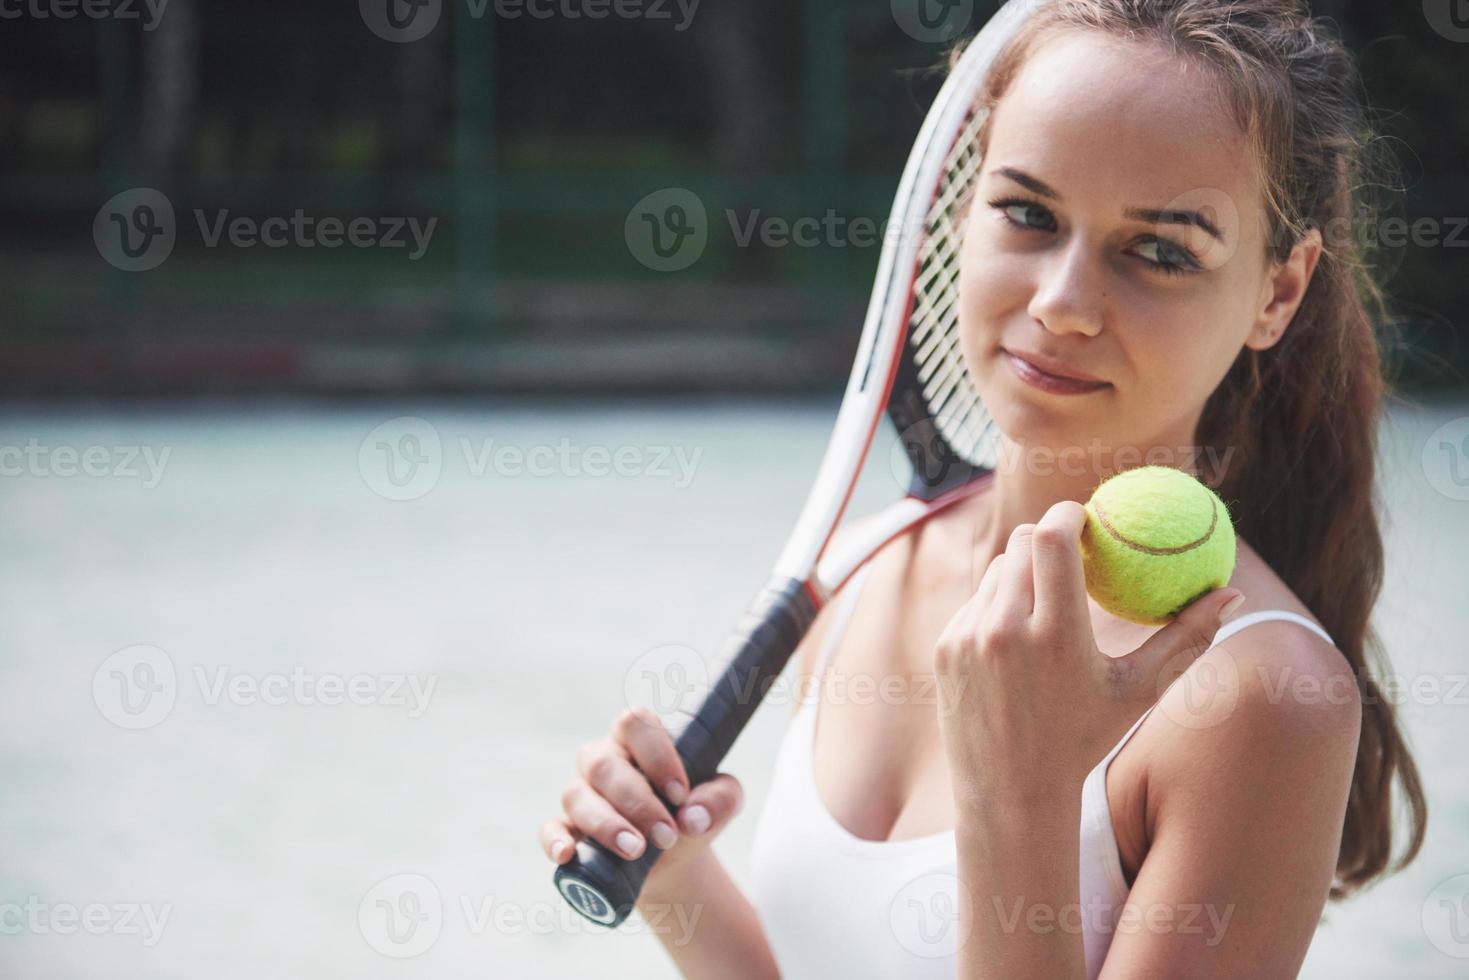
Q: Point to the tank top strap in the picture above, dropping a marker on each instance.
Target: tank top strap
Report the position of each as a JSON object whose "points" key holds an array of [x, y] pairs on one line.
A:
{"points": [[846, 603], [1265, 615], [1220, 635]]}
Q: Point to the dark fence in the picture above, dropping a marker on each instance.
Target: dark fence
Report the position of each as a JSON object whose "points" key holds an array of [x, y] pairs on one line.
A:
{"points": [[263, 197]]}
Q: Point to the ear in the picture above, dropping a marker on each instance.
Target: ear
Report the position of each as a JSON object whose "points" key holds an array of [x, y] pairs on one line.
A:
{"points": [[1285, 287]]}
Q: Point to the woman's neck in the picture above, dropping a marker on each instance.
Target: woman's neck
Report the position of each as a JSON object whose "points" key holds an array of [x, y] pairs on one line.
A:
{"points": [[1027, 484]]}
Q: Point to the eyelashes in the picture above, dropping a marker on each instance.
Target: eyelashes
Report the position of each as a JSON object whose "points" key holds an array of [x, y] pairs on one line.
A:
{"points": [[1184, 261]]}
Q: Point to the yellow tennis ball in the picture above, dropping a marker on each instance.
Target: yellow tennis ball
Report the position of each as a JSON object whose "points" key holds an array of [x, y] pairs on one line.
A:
{"points": [[1155, 540]]}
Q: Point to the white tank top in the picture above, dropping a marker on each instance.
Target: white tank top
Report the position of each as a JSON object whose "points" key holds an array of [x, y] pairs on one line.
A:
{"points": [[835, 905]]}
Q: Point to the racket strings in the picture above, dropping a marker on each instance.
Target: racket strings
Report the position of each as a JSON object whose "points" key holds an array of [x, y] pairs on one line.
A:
{"points": [[933, 333]]}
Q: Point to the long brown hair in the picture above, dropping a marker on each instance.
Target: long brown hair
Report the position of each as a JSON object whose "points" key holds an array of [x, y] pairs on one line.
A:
{"points": [[1301, 417]]}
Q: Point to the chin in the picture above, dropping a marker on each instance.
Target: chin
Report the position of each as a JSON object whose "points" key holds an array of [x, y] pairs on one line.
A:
{"points": [[1029, 420]]}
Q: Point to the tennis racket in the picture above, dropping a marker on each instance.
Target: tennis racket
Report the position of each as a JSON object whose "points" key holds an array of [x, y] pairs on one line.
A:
{"points": [[908, 368]]}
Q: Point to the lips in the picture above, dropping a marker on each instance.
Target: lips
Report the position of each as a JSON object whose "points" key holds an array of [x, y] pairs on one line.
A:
{"points": [[1051, 376]]}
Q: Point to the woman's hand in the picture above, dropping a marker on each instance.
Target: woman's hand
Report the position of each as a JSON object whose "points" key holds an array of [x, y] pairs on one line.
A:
{"points": [[611, 798], [1028, 704]]}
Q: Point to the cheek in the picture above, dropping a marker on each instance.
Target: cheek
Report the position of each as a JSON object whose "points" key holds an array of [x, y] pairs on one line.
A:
{"points": [[992, 287], [1178, 350], [991, 280]]}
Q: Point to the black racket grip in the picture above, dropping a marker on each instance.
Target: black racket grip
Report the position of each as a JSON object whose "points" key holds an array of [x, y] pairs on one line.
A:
{"points": [[603, 886]]}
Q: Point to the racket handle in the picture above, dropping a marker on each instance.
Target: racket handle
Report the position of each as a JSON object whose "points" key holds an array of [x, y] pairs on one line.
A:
{"points": [[603, 886]]}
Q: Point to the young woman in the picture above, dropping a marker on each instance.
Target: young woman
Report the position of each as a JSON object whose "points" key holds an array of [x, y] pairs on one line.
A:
{"points": [[1038, 817]]}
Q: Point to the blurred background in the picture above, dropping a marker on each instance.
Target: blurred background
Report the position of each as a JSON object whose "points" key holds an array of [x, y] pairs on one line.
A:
{"points": [[357, 423]]}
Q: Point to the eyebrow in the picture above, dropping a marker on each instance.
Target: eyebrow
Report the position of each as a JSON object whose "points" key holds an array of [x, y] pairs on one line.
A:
{"points": [[1150, 215]]}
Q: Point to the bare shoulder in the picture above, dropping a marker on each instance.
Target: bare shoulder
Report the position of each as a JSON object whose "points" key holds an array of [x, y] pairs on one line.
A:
{"points": [[1276, 692], [1238, 799]]}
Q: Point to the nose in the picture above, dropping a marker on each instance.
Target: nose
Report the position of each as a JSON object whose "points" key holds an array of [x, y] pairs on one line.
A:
{"points": [[1070, 294]]}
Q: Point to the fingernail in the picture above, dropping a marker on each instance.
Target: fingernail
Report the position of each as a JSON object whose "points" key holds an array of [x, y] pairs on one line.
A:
{"points": [[675, 792], [663, 835], [557, 849], [697, 819], [627, 843], [1231, 606]]}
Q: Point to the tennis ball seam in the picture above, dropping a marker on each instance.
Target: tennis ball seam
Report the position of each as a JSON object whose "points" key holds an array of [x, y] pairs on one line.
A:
{"points": [[1122, 539]]}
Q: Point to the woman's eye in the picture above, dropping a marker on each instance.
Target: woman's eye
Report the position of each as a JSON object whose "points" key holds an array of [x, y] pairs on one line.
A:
{"points": [[1025, 214], [1170, 258], [1030, 216]]}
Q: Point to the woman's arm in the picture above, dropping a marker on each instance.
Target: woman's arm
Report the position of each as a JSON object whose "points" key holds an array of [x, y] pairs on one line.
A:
{"points": [[705, 922], [1018, 872], [1245, 803]]}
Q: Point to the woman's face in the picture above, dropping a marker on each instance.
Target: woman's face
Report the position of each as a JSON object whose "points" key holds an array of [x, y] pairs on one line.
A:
{"points": [[1062, 262]]}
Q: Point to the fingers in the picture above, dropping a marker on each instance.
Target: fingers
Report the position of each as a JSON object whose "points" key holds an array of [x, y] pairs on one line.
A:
{"points": [[1039, 573], [591, 813], [641, 732], [558, 840], [1173, 648], [612, 802], [709, 809], [608, 773], [989, 586], [1060, 582], [711, 805], [1016, 595]]}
